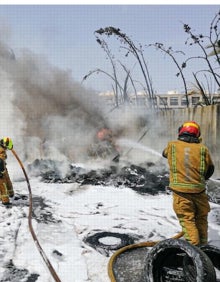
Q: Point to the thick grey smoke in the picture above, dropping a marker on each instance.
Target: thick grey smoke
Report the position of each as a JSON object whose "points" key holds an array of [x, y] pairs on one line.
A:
{"points": [[48, 114], [43, 107]]}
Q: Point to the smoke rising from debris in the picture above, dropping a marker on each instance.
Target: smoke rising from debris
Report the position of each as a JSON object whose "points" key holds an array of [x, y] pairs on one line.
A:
{"points": [[43, 106], [45, 111]]}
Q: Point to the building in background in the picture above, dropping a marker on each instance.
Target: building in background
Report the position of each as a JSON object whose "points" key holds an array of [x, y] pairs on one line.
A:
{"points": [[171, 100]]}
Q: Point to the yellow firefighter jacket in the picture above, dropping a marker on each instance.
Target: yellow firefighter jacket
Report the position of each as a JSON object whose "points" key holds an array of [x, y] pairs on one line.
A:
{"points": [[190, 165]]}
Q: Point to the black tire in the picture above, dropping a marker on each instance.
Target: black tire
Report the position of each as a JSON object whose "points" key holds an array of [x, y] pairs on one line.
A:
{"points": [[105, 249], [124, 240], [172, 274], [198, 268], [213, 253], [172, 270], [164, 254]]}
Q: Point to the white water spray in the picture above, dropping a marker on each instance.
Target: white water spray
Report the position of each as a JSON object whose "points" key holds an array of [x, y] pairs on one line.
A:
{"points": [[135, 145]]}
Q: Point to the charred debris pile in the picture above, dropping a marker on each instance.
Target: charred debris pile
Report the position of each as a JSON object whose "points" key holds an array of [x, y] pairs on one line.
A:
{"points": [[142, 179], [147, 178]]}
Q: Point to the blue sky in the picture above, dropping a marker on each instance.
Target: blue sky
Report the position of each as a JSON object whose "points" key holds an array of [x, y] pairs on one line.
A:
{"points": [[64, 34]]}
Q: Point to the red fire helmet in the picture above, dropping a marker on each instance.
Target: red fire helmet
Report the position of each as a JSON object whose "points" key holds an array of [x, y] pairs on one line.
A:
{"points": [[190, 128]]}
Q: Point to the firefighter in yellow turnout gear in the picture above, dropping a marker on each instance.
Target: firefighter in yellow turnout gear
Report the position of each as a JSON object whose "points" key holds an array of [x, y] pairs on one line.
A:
{"points": [[6, 188], [190, 166]]}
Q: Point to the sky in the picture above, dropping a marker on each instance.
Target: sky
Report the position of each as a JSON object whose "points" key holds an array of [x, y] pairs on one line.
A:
{"points": [[64, 35]]}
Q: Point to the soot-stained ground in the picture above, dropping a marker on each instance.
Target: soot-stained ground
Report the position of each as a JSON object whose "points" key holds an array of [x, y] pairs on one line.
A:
{"points": [[145, 178], [139, 178], [14, 274], [9, 236], [99, 224]]}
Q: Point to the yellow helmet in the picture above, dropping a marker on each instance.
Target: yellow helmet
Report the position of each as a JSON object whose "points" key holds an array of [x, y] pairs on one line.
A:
{"points": [[7, 143]]}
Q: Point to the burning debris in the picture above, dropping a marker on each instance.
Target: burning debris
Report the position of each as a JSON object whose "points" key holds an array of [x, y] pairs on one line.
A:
{"points": [[104, 145]]}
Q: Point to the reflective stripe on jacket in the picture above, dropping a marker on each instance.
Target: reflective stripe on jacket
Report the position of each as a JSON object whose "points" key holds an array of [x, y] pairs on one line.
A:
{"points": [[189, 163]]}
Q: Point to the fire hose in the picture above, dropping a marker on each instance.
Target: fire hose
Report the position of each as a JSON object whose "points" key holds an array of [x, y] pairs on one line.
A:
{"points": [[41, 251], [129, 247], [116, 158]]}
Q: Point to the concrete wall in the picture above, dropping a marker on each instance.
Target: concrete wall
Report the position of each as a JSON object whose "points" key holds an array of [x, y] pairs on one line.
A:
{"points": [[209, 120], [207, 117], [164, 125]]}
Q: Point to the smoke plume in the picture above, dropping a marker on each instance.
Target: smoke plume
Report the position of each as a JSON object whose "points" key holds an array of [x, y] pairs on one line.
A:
{"points": [[48, 114]]}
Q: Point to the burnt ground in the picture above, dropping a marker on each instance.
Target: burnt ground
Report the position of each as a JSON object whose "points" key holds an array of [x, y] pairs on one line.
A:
{"points": [[138, 178], [43, 213], [145, 178], [14, 274]]}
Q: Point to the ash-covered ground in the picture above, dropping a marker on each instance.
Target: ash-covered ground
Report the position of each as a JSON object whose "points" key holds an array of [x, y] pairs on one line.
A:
{"points": [[145, 178], [82, 215]]}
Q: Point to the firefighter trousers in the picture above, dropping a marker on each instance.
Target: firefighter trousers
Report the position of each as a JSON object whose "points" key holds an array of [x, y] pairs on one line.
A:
{"points": [[192, 212], [6, 188]]}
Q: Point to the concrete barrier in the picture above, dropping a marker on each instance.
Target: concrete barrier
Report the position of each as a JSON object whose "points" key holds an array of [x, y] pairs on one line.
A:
{"points": [[164, 127]]}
